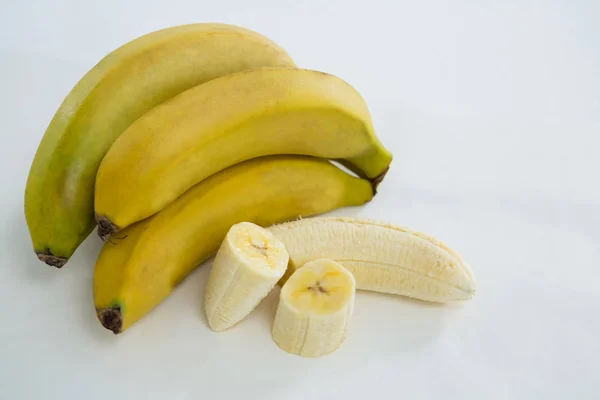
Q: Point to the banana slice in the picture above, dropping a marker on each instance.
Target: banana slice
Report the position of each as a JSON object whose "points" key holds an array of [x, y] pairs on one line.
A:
{"points": [[382, 257], [315, 306], [248, 264]]}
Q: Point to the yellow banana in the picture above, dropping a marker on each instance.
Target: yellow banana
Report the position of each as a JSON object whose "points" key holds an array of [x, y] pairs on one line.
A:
{"points": [[136, 273], [226, 121], [118, 90]]}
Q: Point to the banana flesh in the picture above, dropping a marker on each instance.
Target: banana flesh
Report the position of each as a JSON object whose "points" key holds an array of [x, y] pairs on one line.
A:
{"points": [[315, 307], [247, 266], [134, 274], [226, 121], [382, 257], [59, 196]]}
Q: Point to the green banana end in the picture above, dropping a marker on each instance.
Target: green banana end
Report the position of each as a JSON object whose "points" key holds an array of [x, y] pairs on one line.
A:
{"points": [[56, 250], [51, 259], [111, 318]]}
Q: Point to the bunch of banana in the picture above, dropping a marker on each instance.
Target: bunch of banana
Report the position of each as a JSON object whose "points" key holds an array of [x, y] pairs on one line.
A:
{"points": [[59, 197], [188, 141]]}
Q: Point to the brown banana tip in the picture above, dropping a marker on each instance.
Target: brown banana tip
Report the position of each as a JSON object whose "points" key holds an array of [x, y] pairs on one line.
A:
{"points": [[378, 179], [105, 227], [52, 260], [111, 318]]}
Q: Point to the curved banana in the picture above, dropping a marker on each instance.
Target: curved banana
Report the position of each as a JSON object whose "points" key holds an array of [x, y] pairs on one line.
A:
{"points": [[382, 257], [226, 121], [315, 306], [247, 266], [118, 90], [136, 273]]}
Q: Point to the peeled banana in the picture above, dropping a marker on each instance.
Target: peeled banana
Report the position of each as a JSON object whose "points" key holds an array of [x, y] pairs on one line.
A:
{"points": [[137, 272], [315, 306], [226, 121], [247, 266], [382, 257], [122, 87]]}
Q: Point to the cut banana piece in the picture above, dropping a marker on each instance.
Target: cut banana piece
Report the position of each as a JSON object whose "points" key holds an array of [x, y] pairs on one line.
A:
{"points": [[315, 306], [248, 264], [382, 257]]}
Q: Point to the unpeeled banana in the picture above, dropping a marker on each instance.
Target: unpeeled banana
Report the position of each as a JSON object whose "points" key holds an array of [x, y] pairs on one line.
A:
{"points": [[247, 266], [315, 306], [226, 121], [122, 87], [135, 273], [382, 257]]}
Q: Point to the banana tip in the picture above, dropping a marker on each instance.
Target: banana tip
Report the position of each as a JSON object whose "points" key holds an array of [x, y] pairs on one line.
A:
{"points": [[378, 179], [52, 260], [111, 318], [105, 227]]}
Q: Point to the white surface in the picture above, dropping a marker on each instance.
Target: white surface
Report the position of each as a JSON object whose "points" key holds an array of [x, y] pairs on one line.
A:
{"points": [[492, 112]]}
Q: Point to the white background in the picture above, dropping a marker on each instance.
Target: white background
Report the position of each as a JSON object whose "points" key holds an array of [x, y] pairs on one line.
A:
{"points": [[492, 112]]}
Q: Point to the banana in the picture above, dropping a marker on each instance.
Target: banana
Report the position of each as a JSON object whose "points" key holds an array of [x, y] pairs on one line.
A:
{"points": [[226, 121], [136, 273], [382, 257], [118, 90], [247, 266], [315, 306]]}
